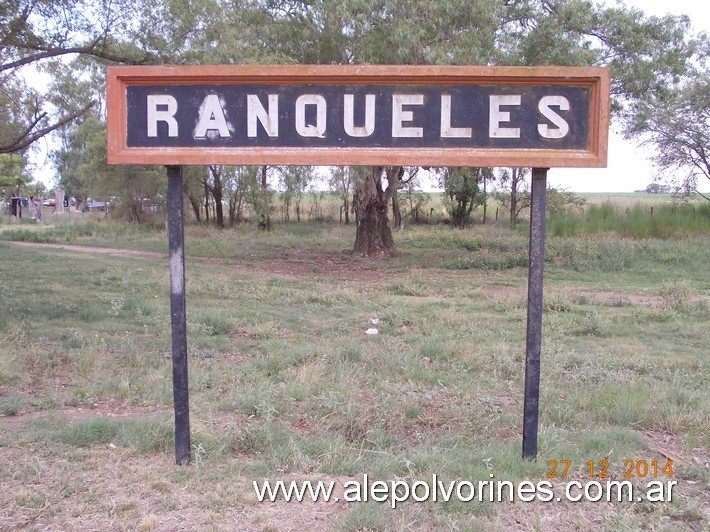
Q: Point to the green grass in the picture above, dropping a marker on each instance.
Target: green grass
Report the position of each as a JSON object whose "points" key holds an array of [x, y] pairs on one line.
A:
{"points": [[284, 382]]}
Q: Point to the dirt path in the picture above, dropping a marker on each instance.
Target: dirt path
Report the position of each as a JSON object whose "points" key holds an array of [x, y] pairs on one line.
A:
{"points": [[136, 254]]}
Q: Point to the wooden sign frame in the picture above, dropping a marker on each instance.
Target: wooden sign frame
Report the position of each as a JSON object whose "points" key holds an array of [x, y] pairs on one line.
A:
{"points": [[592, 154]]}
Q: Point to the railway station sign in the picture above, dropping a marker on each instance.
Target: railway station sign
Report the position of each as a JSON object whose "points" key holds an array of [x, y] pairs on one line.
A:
{"points": [[358, 115], [539, 117]]}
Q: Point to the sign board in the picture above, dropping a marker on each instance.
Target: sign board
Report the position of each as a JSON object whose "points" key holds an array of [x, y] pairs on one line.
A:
{"points": [[358, 115]]}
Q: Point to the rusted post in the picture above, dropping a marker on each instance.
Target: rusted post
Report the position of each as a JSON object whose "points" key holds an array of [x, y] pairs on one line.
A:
{"points": [[533, 345], [178, 316]]}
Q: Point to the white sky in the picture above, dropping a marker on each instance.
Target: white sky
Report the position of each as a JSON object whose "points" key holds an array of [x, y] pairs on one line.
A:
{"points": [[629, 167]]}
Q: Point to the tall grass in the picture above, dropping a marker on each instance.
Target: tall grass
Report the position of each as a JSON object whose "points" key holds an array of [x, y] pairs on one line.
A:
{"points": [[637, 221]]}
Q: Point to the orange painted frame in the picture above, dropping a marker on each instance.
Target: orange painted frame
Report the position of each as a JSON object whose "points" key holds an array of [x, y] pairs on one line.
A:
{"points": [[598, 79]]}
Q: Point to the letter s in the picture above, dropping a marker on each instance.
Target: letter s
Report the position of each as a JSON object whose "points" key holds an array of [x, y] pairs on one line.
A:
{"points": [[562, 126]]}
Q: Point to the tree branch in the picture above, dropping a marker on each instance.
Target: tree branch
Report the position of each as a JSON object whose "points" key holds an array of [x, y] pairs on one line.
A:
{"points": [[27, 137]]}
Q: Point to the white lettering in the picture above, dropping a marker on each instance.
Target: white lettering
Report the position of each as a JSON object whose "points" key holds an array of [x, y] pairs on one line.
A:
{"points": [[379, 491], [349, 116], [568, 489], [309, 130], [655, 492], [588, 491], [211, 119], [425, 494], [269, 120], [166, 115], [448, 132], [401, 492], [526, 491], [471, 491], [497, 116], [562, 125], [352, 491], [399, 115]]}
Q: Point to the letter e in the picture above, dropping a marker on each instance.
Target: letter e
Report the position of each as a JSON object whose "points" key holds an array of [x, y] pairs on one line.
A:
{"points": [[497, 116], [399, 115]]}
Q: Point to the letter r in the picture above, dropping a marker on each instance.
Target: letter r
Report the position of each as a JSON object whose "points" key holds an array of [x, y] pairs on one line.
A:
{"points": [[166, 115]]}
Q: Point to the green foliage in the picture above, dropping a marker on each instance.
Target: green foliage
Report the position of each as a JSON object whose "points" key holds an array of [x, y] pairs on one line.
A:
{"points": [[676, 296], [61, 233], [295, 180], [12, 173], [462, 192], [145, 435]]}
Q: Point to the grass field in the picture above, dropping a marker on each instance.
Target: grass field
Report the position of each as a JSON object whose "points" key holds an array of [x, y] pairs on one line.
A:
{"points": [[285, 384]]}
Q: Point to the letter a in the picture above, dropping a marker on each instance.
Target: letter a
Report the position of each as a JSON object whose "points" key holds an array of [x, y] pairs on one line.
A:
{"points": [[211, 118]]}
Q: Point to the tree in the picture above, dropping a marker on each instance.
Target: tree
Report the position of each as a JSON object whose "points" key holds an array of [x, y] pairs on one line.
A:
{"points": [[648, 55], [295, 180], [411, 173], [462, 192], [678, 126], [37, 31], [239, 182], [83, 171], [215, 188], [371, 203], [513, 181], [13, 175], [340, 183], [559, 200], [414, 200]]}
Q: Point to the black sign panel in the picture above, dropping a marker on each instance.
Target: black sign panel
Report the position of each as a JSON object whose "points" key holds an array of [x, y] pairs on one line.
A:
{"points": [[327, 116]]}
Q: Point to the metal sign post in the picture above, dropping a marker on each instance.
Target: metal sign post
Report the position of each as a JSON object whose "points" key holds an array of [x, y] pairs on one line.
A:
{"points": [[178, 317], [533, 345]]}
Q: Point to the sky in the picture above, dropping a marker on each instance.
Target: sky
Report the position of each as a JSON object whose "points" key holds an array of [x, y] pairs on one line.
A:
{"points": [[629, 165]]}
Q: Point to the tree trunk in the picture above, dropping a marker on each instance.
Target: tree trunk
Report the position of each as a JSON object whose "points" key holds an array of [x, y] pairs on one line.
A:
{"points": [[485, 199], [207, 203], [217, 193], [373, 234], [514, 197], [186, 192], [396, 213]]}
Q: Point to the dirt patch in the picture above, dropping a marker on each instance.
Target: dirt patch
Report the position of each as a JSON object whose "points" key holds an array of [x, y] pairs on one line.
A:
{"points": [[136, 254], [341, 265], [297, 263], [108, 407], [619, 298], [673, 448]]}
